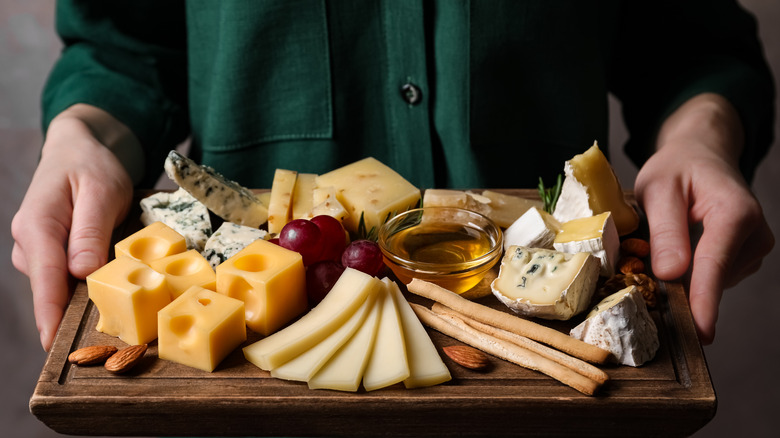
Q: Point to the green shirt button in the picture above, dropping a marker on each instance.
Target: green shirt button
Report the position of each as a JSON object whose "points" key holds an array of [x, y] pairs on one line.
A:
{"points": [[411, 93]]}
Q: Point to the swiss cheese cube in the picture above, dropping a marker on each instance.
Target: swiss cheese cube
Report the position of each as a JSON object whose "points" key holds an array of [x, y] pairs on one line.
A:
{"points": [[280, 204], [370, 188], [270, 280], [150, 243], [128, 294], [185, 270], [200, 328]]}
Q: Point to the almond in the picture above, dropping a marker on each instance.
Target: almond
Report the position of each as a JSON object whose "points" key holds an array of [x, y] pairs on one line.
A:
{"points": [[91, 355], [125, 359], [468, 357], [635, 247]]}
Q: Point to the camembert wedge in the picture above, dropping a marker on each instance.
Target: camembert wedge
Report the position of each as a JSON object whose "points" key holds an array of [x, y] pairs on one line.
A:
{"points": [[594, 234], [534, 229]]}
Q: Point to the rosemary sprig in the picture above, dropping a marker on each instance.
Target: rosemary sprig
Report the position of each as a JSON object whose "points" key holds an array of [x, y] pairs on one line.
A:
{"points": [[550, 196]]}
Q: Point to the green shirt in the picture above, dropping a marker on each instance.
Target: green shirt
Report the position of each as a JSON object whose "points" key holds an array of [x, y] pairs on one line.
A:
{"points": [[449, 93]]}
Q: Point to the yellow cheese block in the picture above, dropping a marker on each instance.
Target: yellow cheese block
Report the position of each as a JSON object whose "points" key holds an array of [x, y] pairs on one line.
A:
{"points": [[326, 203], [371, 188], [200, 328], [388, 363], [425, 365], [344, 371], [280, 204], [128, 295], [303, 195], [150, 243], [347, 295], [270, 280], [303, 367], [185, 270], [505, 209]]}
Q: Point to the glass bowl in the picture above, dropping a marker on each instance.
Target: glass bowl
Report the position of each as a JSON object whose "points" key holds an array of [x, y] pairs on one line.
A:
{"points": [[451, 247]]}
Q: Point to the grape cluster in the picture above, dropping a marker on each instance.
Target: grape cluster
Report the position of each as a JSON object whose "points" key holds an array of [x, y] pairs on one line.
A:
{"points": [[323, 244]]}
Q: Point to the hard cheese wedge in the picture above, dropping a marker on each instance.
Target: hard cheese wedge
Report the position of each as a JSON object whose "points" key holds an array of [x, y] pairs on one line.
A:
{"points": [[596, 235], [303, 367], [343, 300], [388, 364], [505, 209], [279, 208], [303, 195], [457, 198], [546, 283], [226, 198], [425, 365]]}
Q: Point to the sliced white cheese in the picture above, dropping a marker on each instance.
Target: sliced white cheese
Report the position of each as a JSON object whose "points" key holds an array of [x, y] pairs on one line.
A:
{"points": [[388, 363], [596, 235], [505, 209], [226, 198], [546, 283], [280, 204], [228, 240], [457, 198], [180, 211], [303, 195], [621, 324], [534, 229]]}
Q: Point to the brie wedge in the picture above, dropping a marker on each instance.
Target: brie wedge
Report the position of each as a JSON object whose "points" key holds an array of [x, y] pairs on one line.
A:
{"points": [[546, 283], [621, 324], [534, 229], [596, 235]]}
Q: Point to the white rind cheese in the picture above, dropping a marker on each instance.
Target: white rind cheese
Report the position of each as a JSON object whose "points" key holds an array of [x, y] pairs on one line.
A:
{"points": [[546, 283], [622, 325], [226, 198], [596, 235], [180, 211], [228, 240], [534, 229], [574, 201]]}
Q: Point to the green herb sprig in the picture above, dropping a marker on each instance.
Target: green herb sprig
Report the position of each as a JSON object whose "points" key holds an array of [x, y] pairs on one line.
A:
{"points": [[550, 196]]}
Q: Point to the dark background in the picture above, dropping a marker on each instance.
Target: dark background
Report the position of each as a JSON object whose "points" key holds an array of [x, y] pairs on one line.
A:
{"points": [[743, 361]]}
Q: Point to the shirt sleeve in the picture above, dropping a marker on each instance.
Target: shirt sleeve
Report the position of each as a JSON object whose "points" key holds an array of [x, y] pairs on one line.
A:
{"points": [[670, 51], [129, 59]]}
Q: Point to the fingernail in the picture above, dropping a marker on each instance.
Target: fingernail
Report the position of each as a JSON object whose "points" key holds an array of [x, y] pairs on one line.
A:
{"points": [[87, 261]]}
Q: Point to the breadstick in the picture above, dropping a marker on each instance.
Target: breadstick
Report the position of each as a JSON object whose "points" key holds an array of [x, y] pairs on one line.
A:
{"points": [[562, 358], [511, 323], [453, 327]]}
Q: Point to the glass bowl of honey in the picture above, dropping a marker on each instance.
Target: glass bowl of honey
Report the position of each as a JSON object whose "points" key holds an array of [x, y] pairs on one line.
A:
{"points": [[451, 247]]}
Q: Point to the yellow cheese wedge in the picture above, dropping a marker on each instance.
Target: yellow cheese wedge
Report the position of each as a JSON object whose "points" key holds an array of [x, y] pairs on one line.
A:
{"points": [[151, 242], [128, 294], [371, 188], [388, 364], [280, 204], [425, 365], [200, 328], [505, 209], [343, 300], [185, 270], [344, 371], [303, 195], [303, 367]]}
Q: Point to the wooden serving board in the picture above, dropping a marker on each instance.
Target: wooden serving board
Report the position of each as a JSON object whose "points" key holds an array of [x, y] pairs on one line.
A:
{"points": [[670, 396]]}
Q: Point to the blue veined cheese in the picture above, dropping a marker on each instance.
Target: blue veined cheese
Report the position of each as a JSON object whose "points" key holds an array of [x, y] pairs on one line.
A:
{"points": [[546, 283], [621, 324], [229, 239], [180, 211], [227, 199]]}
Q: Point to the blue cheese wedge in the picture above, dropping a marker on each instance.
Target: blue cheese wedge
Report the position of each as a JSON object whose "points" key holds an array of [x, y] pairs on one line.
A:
{"points": [[534, 229], [546, 283], [621, 324], [180, 211], [596, 235], [229, 239], [226, 198]]}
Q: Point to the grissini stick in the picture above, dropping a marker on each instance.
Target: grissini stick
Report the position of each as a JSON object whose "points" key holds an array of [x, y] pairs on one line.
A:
{"points": [[560, 357], [455, 328], [511, 323]]}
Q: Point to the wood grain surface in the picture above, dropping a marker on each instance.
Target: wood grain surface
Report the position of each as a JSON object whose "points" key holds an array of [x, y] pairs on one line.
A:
{"points": [[670, 396]]}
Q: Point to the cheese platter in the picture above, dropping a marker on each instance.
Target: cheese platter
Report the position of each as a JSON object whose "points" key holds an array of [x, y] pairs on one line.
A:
{"points": [[670, 395]]}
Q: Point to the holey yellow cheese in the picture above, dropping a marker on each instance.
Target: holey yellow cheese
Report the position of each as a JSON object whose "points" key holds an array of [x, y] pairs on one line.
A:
{"points": [[591, 188], [270, 280], [546, 283], [200, 328], [150, 243], [185, 270], [596, 235], [128, 295], [370, 188], [347, 295]]}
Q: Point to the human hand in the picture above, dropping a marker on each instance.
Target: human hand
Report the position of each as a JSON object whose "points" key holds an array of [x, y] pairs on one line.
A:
{"points": [[79, 193], [693, 178]]}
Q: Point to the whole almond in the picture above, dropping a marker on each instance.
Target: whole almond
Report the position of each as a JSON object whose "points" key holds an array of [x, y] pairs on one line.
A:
{"points": [[125, 359], [631, 265], [468, 357], [635, 247], [91, 355]]}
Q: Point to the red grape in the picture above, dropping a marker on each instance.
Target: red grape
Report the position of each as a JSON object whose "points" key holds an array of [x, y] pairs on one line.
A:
{"points": [[334, 238], [303, 237], [320, 278], [363, 255]]}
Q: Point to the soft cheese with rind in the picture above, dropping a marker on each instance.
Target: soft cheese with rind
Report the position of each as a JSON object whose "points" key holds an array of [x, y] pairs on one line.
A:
{"points": [[534, 229], [226, 198], [180, 211], [546, 283], [621, 324], [596, 235]]}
